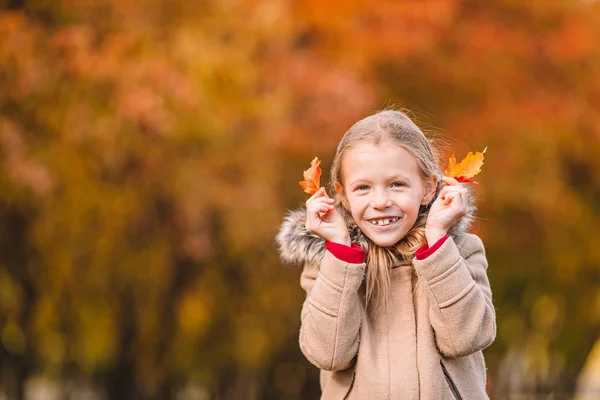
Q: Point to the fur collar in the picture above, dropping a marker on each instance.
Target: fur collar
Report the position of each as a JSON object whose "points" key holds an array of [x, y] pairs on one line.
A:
{"points": [[298, 246]]}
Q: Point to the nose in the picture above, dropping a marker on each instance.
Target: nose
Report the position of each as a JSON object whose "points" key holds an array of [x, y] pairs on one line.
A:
{"points": [[381, 200]]}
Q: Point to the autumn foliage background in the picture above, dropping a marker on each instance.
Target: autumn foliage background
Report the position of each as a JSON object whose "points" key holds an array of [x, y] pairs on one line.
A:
{"points": [[149, 149]]}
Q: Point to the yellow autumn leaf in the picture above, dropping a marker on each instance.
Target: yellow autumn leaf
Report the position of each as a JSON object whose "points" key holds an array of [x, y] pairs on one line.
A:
{"points": [[467, 168]]}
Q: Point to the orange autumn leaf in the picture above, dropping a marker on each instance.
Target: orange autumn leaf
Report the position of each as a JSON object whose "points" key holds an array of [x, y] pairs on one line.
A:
{"points": [[467, 168], [312, 177]]}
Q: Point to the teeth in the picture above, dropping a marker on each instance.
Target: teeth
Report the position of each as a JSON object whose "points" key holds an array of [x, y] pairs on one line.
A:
{"points": [[383, 222]]}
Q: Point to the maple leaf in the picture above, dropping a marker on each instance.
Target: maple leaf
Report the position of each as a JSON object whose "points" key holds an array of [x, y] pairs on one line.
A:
{"points": [[312, 177], [467, 168]]}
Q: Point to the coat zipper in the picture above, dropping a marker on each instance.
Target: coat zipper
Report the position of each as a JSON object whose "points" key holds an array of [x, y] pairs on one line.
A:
{"points": [[450, 382]]}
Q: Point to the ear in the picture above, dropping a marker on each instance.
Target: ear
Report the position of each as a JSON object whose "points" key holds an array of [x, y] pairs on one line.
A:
{"points": [[429, 189], [340, 191]]}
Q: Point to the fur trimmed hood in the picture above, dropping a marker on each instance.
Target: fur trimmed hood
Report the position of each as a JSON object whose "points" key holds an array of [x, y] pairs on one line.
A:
{"points": [[298, 246]]}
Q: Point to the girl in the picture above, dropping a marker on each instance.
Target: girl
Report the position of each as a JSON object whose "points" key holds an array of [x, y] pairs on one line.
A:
{"points": [[415, 326]]}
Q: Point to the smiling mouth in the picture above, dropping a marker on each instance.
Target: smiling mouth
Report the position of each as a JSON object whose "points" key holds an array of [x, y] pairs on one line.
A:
{"points": [[384, 221]]}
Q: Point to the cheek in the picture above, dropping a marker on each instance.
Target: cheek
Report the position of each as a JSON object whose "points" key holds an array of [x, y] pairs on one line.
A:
{"points": [[410, 202], [355, 210], [357, 206]]}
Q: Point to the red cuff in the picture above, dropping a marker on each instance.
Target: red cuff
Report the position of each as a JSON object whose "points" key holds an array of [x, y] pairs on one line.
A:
{"points": [[351, 254], [425, 251]]}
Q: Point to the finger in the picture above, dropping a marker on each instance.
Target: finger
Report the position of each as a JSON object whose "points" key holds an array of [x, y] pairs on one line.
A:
{"points": [[323, 211], [459, 199], [459, 204], [318, 207], [321, 201], [326, 207], [450, 181], [460, 191], [451, 189], [447, 189], [315, 211], [450, 197], [443, 192], [318, 193]]}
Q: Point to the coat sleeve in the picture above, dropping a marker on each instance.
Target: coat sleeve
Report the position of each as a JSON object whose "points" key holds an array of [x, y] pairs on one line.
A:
{"points": [[460, 298], [331, 313]]}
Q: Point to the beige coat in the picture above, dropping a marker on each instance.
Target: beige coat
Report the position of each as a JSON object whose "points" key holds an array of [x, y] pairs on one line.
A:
{"points": [[429, 344]]}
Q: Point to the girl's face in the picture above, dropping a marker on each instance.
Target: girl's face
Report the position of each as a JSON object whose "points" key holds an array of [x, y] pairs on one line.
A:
{"points": [[383, 189]]}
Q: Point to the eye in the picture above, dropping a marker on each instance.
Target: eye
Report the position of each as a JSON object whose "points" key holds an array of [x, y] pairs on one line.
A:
{"points": [[398, 184], [362, 187]]}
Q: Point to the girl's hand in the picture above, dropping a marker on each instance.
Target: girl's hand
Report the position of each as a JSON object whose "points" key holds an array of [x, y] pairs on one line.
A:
{"points": [[446, 210], [323, 220]]}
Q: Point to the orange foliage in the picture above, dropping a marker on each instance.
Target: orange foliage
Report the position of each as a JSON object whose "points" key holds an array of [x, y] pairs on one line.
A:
{"points": [[312, 177], [467, 168]]}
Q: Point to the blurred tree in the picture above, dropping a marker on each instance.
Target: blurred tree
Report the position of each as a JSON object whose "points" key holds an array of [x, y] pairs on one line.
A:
{"points": [[149, 149], [138, 198]]}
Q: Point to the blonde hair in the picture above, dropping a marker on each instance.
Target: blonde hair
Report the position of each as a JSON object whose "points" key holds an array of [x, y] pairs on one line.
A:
{"points": [[397, 126]]}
